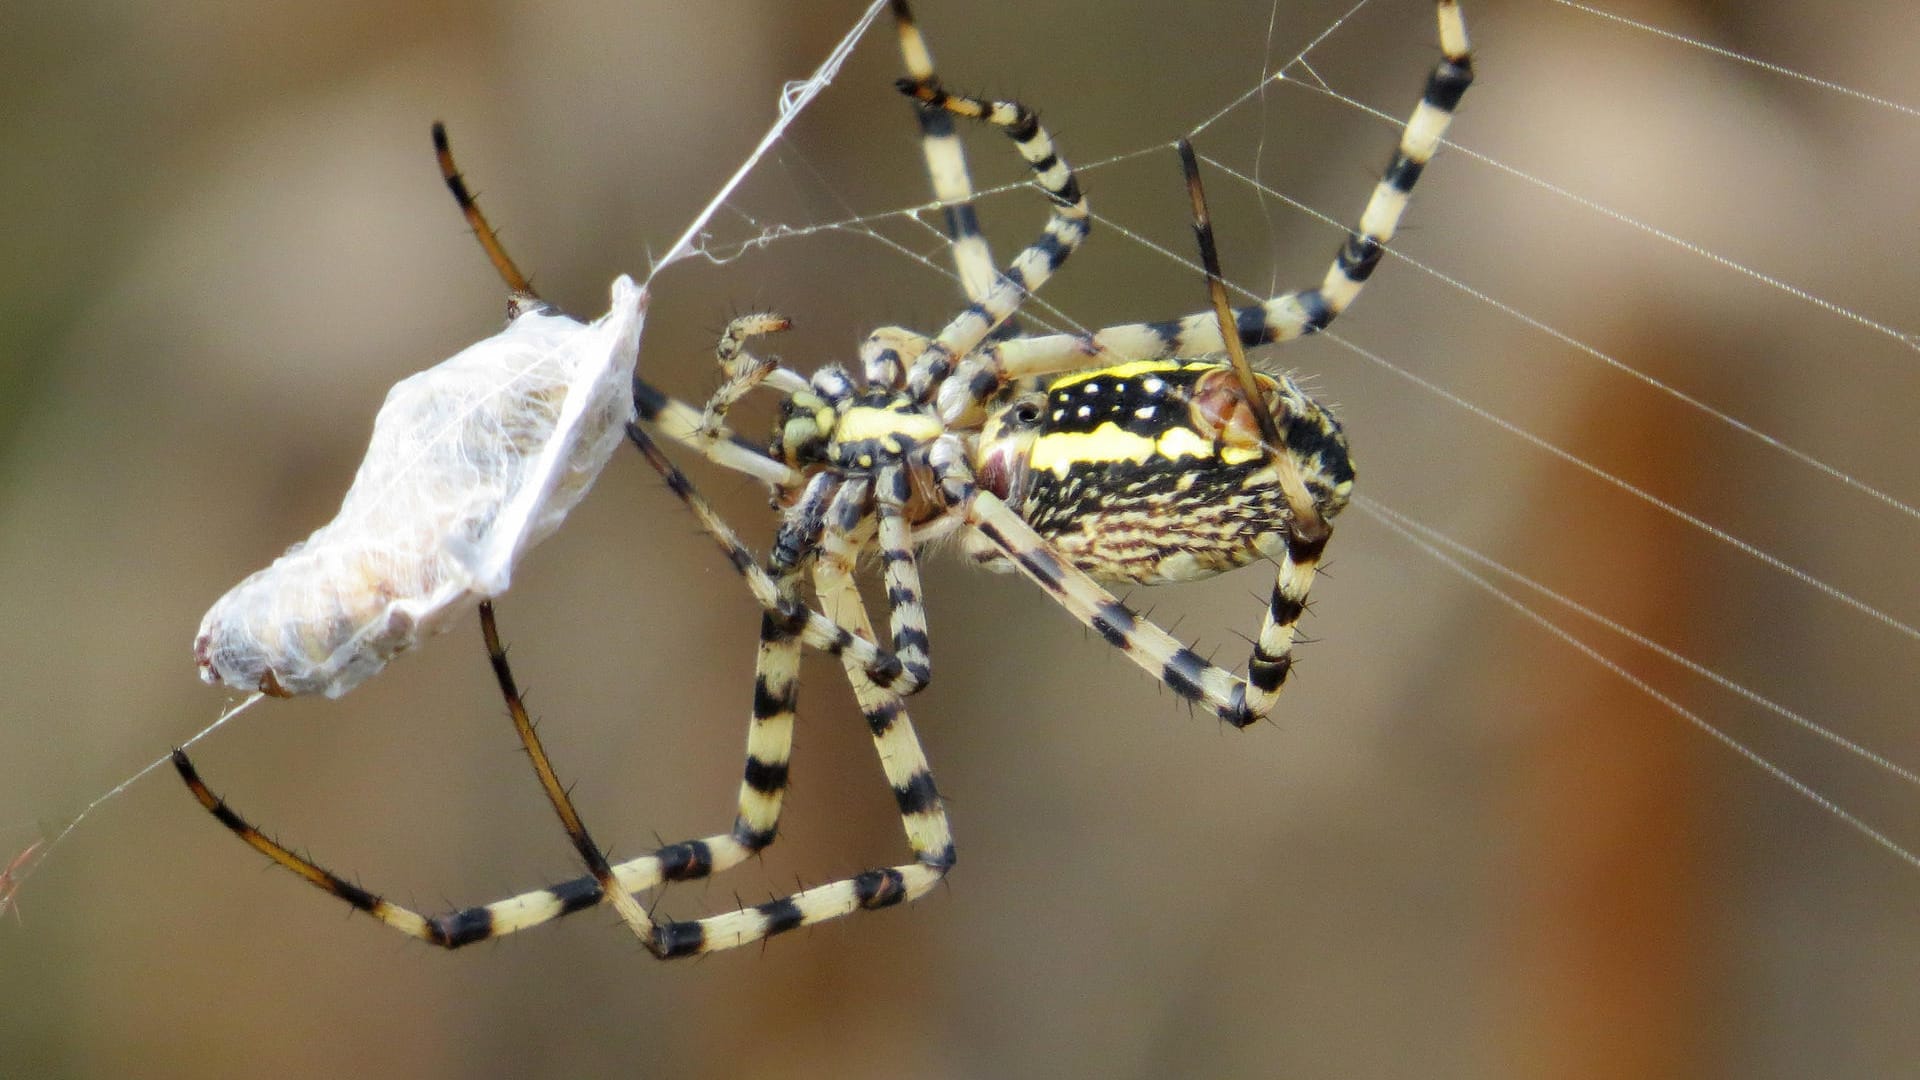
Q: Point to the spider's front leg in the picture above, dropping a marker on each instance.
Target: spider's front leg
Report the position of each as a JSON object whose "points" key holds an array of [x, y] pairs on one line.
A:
{"points": [[946, 163], [1066, 228], [1282, 318]]}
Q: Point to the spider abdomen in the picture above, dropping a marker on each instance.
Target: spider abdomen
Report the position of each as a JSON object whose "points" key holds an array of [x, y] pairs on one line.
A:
{"points": [[1154, 471], [1149, 523]]}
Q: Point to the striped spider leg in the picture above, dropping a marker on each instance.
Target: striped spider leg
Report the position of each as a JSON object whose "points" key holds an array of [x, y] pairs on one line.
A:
{"points": [[832, 541], [946, 162]]}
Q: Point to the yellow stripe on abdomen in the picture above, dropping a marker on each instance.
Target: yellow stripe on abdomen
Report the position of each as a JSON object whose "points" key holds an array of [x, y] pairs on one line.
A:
{"points": [[1058, 452]]}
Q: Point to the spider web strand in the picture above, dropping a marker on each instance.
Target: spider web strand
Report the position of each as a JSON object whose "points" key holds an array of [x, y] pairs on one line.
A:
{"points": [[1379, 513], [1907, 338], [1833, 472], [1751, 61], [1571, 458], [1433, 536]]}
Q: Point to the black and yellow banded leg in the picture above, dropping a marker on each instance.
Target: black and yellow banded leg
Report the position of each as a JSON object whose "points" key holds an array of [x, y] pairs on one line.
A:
{"points": [[1272, 657], [906, 610], [1307, 531], [1065, 229], [685, 861], [1282, 318], [901, 757], [849, 519], [904, 762], [946, 163], [776, 691], [756, 822]]}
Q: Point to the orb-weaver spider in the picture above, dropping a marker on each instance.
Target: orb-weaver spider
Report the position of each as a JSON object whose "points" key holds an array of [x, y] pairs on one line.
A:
{"points": [[1145, 452]]}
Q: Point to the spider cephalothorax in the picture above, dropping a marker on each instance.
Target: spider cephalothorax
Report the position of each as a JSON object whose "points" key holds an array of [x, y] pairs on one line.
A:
{"points": [[1142, 452]]}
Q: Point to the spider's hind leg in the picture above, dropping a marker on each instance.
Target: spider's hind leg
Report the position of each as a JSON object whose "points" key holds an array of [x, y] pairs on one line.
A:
{"points": [[1297, 550]]}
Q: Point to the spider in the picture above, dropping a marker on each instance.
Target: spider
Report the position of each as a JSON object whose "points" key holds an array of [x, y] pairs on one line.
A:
{"points": [[1148, 452]]}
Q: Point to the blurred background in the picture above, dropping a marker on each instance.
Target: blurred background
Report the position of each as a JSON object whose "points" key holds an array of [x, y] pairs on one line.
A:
{"points": [[1462, 849]]}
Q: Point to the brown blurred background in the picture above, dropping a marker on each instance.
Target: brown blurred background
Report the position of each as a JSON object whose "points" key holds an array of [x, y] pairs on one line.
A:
{"points": [[1463, 850]]}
